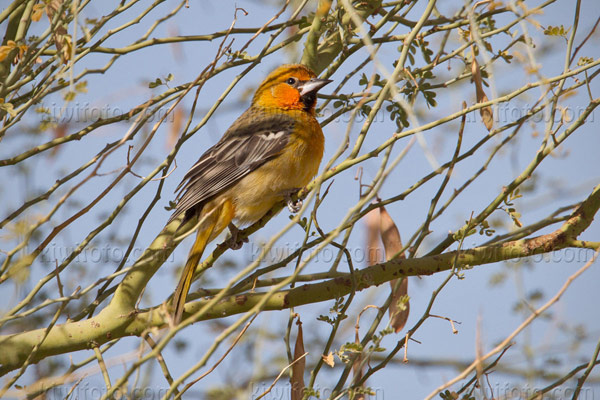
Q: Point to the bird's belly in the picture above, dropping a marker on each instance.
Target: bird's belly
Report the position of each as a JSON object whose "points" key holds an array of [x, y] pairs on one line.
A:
{"points": [[258, 192]]}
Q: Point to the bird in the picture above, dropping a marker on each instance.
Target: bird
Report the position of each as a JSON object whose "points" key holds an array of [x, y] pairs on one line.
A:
{"points": [[272, 150]]}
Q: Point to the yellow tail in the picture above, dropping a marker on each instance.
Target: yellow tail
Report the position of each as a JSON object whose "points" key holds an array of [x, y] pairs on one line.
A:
{"points": [[185, 281], [216, 220]]}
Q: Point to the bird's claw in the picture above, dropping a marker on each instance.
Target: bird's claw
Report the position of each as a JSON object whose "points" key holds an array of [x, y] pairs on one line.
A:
{"points": [[294, 205], [234, 241]]}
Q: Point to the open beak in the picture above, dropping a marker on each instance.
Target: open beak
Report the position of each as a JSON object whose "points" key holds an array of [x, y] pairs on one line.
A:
{"points": [[312, 86]]}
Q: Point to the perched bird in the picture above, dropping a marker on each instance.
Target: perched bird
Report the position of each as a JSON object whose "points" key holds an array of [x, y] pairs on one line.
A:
{"points": [[274, 148]]}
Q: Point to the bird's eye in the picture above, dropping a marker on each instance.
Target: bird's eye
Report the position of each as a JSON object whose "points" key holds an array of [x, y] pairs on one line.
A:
{"points": [[291, 81]]}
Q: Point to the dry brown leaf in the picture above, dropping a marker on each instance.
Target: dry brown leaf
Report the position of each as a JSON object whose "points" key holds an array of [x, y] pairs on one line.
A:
{"points": [[392, 242], [297, 379], [175, 127], [62, 40], [4, 52], [356, 368], [59, 131], [487, 115], [10, 45], [328, 359], [390, 236], [373, 250], [52, 7], [400, 306], [38, 11], [176, 49]]}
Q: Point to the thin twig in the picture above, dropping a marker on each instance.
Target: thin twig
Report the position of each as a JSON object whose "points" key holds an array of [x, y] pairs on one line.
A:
{"points": [[280, 375]]}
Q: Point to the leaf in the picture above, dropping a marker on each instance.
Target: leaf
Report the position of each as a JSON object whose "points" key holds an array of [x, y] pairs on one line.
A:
{"points": [[5, 50], [497, 278], [585, 60], [52, 7], [390, 236], [81, 87], [175, 127], [58, 131], [156, 83], [351, 347], [356, 367], [297, 379], [8, 107], [328, 359], [69, 96], [172, 205], [38, 11], [392, 242], [374, 253], [67, 48], [487, 114], [62, 40], [556, 31], [10, 45]]}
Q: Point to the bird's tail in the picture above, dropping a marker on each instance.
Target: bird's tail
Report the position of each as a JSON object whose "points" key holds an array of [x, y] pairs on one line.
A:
{"points": [[215, 221]]}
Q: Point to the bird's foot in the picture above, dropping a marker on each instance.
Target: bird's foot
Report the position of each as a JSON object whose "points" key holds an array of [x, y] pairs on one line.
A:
{"points": [[234, 241], [293, 205]]}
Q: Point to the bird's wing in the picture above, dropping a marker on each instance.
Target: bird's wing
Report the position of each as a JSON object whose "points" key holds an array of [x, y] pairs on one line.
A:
{"points": [[252, 140]]}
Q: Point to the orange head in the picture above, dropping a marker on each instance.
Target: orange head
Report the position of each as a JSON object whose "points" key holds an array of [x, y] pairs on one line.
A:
{"points": [[290, 87]]}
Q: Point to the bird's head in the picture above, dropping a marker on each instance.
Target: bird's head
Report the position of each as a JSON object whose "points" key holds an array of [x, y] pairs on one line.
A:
{"points": [[290, 87]]}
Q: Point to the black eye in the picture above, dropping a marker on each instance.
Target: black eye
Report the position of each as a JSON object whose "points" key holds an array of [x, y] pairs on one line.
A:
{"points": [[291, 81]]}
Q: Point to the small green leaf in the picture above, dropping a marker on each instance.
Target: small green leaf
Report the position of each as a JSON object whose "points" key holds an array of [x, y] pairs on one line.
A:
{"points": [[497, 278], [172, 205], [156, 83], [351, 347], [8, 107], [81, 87], [585, 60], [556, 31], [69, 96]]}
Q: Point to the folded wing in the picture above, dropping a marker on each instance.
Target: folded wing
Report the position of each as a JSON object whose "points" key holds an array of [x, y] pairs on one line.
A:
{"points": [[255, 138]]}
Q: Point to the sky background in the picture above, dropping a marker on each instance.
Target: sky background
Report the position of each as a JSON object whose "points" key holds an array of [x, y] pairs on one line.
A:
{"points": [[473, 301]]}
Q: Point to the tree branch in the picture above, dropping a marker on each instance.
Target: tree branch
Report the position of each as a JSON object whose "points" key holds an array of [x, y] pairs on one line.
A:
{"points": [[119, 319]]}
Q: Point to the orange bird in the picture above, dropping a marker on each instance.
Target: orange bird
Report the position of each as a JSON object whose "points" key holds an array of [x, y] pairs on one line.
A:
{"points": [[273, 149]]}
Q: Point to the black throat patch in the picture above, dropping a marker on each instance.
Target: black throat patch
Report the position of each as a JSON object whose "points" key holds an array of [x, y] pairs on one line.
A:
{"points": [[309, 100]]}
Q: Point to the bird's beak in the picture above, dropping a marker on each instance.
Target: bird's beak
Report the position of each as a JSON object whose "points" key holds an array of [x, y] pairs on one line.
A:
{"points": [[312, 86]]}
